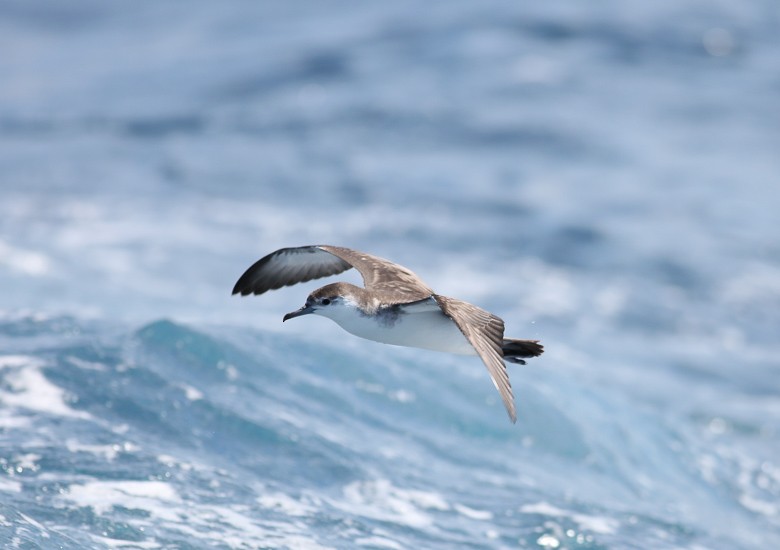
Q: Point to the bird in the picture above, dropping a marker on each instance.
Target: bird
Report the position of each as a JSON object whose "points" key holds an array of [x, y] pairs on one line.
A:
{"points": [[394, 307]]}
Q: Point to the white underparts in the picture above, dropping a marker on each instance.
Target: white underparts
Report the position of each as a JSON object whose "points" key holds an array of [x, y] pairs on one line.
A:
{"points": [[429, 329]]}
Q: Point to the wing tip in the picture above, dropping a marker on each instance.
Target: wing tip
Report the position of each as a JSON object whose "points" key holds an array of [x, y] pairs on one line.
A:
{"points": [[244, 287], [510, 407], [255, 281], [241, 291]]}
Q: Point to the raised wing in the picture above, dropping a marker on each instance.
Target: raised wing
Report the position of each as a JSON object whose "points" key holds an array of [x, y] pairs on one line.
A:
{"points": [[289, 266], [382, 275], [485, 331]]}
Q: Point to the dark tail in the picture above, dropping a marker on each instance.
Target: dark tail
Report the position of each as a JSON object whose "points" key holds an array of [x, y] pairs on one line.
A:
{"points": [[515, 350]]}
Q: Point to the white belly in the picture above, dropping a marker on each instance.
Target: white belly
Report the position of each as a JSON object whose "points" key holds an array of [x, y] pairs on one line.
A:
{"points": [[427, 330]]}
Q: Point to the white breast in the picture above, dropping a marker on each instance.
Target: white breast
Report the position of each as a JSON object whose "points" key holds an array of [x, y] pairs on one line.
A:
{"points": [[426, 328]]}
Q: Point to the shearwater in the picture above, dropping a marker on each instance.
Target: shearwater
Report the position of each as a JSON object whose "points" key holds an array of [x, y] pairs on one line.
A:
{"points": [[395, 307]]}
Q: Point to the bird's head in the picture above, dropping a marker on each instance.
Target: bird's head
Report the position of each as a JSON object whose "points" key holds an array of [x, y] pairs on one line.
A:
{"points": [[327, 301]]}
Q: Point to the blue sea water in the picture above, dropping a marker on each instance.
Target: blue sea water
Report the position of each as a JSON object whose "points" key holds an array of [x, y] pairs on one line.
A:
{"points": [[603, 175]]}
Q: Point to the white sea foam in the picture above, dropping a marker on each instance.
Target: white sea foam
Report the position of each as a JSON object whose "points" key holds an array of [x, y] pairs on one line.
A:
{"points": [[378, 542], [597, 524], [31, 390], [288, 505], [86, 365], [27, 461], [10, 485], [102, 496], [36, 524], [471, 513], [10, 421], [236, 526], [192, 393], [759, 506], [380, 499], [109, 452]]}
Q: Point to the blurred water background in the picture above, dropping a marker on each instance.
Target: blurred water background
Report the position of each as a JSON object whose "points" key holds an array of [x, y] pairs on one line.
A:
{"points": [[603, 175]]}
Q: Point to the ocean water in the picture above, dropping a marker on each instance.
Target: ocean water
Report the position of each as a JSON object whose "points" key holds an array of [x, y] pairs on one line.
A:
{"points": [[603, 175]]}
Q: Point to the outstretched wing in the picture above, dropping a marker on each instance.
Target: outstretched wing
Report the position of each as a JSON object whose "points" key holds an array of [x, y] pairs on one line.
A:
{"points": [[380, 275], [485, 331], [289, 266]]}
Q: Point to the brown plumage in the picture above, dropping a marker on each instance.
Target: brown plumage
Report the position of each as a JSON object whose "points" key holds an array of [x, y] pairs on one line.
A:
{"points": [[389, 287]]}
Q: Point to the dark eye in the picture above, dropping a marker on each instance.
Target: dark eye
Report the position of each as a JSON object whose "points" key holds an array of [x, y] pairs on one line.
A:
{"points": [[325, 301]]}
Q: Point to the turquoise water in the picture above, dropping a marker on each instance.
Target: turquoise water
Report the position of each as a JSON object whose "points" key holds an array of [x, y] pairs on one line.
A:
{"points": [[603, 177]]}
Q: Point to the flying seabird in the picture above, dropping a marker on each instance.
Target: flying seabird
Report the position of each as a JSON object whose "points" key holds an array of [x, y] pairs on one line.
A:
{"points": [[395, 307]]}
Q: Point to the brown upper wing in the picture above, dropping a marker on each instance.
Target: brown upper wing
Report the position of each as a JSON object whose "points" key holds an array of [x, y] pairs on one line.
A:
{"points": [[485, 331], [289, 266], [380, 275]]}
